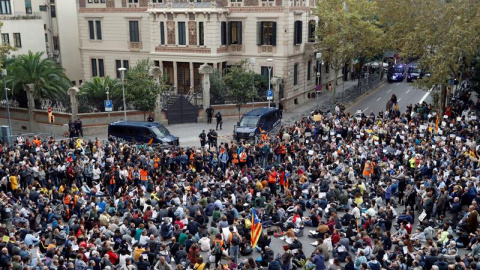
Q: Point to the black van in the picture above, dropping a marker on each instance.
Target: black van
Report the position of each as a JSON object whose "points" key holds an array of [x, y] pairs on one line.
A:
{"points": [[414, 72], [141, 132], [396, 73], [253, 122]]}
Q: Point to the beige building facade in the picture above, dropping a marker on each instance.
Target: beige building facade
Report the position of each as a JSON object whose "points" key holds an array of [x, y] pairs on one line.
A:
{"points": [[179, 36], [48, 26]]}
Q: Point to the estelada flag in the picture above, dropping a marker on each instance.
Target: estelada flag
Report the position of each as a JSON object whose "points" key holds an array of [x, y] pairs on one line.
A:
{"points": [[256, 229], [436, 125], [150, 141]]}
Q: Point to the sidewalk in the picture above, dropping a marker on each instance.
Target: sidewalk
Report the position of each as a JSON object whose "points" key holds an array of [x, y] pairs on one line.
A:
{"points": [[188, 133]]}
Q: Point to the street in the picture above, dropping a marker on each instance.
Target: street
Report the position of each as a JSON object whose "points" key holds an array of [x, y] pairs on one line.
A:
{"points": [[376, 101]]}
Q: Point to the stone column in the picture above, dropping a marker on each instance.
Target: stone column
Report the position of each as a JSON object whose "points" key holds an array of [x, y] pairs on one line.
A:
{"points": [[276, 81], [192, 78], [30, 89], [205, 70], [73, 91], [175, 77]]}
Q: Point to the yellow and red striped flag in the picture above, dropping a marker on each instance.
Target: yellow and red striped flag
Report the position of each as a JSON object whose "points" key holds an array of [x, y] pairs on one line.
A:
{"points": [[256, 229], [436, 124]]}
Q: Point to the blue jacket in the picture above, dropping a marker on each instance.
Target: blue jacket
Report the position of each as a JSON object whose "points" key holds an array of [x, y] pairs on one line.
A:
{"points": [[319, 261]]}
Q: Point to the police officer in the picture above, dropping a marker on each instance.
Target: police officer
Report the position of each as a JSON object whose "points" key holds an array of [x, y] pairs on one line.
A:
{"points": [[203, 138]]}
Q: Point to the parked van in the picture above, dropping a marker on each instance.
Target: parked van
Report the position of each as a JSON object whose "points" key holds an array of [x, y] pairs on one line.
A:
{"points": [[141, 132], [414, 72], [396, 73], [256, 121]]}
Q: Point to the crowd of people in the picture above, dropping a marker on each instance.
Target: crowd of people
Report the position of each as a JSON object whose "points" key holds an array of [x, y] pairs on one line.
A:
{"points": [[393, 190]]}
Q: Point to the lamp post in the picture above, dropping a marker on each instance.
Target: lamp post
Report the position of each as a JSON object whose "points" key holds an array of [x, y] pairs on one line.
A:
{"points": [[318, 56], [122, 72], [269, 60], [4, 75], [107, 91], [252, 62]]}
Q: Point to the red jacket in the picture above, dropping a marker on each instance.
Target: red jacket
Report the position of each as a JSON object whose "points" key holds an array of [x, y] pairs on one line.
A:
{"points": [[112, 257]]}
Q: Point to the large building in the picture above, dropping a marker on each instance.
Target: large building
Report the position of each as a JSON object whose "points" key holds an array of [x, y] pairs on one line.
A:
{"points": [[179, 36], [46, 26]]}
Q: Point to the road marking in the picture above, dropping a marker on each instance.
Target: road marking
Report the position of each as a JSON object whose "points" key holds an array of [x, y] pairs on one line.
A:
{"points": [[389, 91], [399, 99], [378, 99], [425, 96], [365, 109], [398, 84], [408, 91]]}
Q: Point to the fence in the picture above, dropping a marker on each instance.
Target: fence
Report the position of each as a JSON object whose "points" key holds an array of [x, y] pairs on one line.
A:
{"points": [[353, 92]]}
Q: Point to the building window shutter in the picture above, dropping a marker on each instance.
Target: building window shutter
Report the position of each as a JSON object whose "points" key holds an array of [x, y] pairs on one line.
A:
{"points": [[274, 35], [91, 29], [181, 34], [224, 33], [299, 32], [99, 29], [94, 67], [162, 33], [295, 28], [229, 41], [259, 33], [101, 72], [239, 32], [201, 34], [118, 64], [125, 64]]}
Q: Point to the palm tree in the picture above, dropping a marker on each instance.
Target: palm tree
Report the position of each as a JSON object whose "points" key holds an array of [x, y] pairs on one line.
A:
{"points": [[95, 90], [47, 77]]}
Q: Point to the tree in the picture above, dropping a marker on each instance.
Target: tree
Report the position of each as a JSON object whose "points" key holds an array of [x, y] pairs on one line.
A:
{"points": [[217, 86], [48, 78], [347, 29], [5, 49], [141, 89], [442, 34], [241, 83], [95, 91]]}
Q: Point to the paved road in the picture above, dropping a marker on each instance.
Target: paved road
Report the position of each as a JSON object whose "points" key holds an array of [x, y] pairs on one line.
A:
{"points": [[406, 94]]}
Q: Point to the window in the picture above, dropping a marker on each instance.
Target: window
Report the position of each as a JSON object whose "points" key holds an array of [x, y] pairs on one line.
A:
{"points": [[162, 33], [5, 7], [157, 1], [28, 6], [182, 39], [309, 70], [156, 63], [56, 44], [98, 28], [264, 71], [53, 11], [134, 31], [311, 31], [295, 74], [133, 1], [235, 33], [97, 68], [42, 8], [118, 64], [95, 30], [5, 39], [267, 33], [201, 34], [17, 40], [224, 33], [46, 37], [297, 33]]}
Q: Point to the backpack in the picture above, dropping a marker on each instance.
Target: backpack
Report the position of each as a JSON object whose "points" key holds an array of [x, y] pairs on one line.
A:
{"points": [[235, 239], [218, 248], [458, 267]]}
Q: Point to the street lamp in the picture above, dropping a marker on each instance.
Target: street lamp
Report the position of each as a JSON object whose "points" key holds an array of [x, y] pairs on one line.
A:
{"points": [[122, 73], [107, 90], [252, 62], [4, 75], [269, 61], [318, 56]]}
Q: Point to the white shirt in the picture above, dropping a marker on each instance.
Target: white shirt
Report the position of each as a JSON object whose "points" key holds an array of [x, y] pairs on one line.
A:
{"points": [[204, 243]]}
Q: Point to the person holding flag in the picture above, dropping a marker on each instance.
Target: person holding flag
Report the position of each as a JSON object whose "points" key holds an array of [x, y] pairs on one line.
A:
{"points": [[256, 229]]}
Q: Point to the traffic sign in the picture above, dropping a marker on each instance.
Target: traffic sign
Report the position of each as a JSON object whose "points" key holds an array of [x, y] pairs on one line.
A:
{"points": [[318, 88], [108, 105], [269, 94]]}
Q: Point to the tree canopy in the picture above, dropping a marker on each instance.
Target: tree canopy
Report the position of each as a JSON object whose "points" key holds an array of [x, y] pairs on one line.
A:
{"points": [[95, 91], [141, 89], [5, 49], [347, 29], [442, 34]]}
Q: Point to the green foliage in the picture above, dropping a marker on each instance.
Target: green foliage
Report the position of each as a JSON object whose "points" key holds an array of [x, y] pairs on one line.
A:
{"points": [[49, 79], [305, 264], [348, 29], [4, 50], [443, 34], [218, 89], [475, 75], [141, 89], [95, 91], [242, 83]]}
